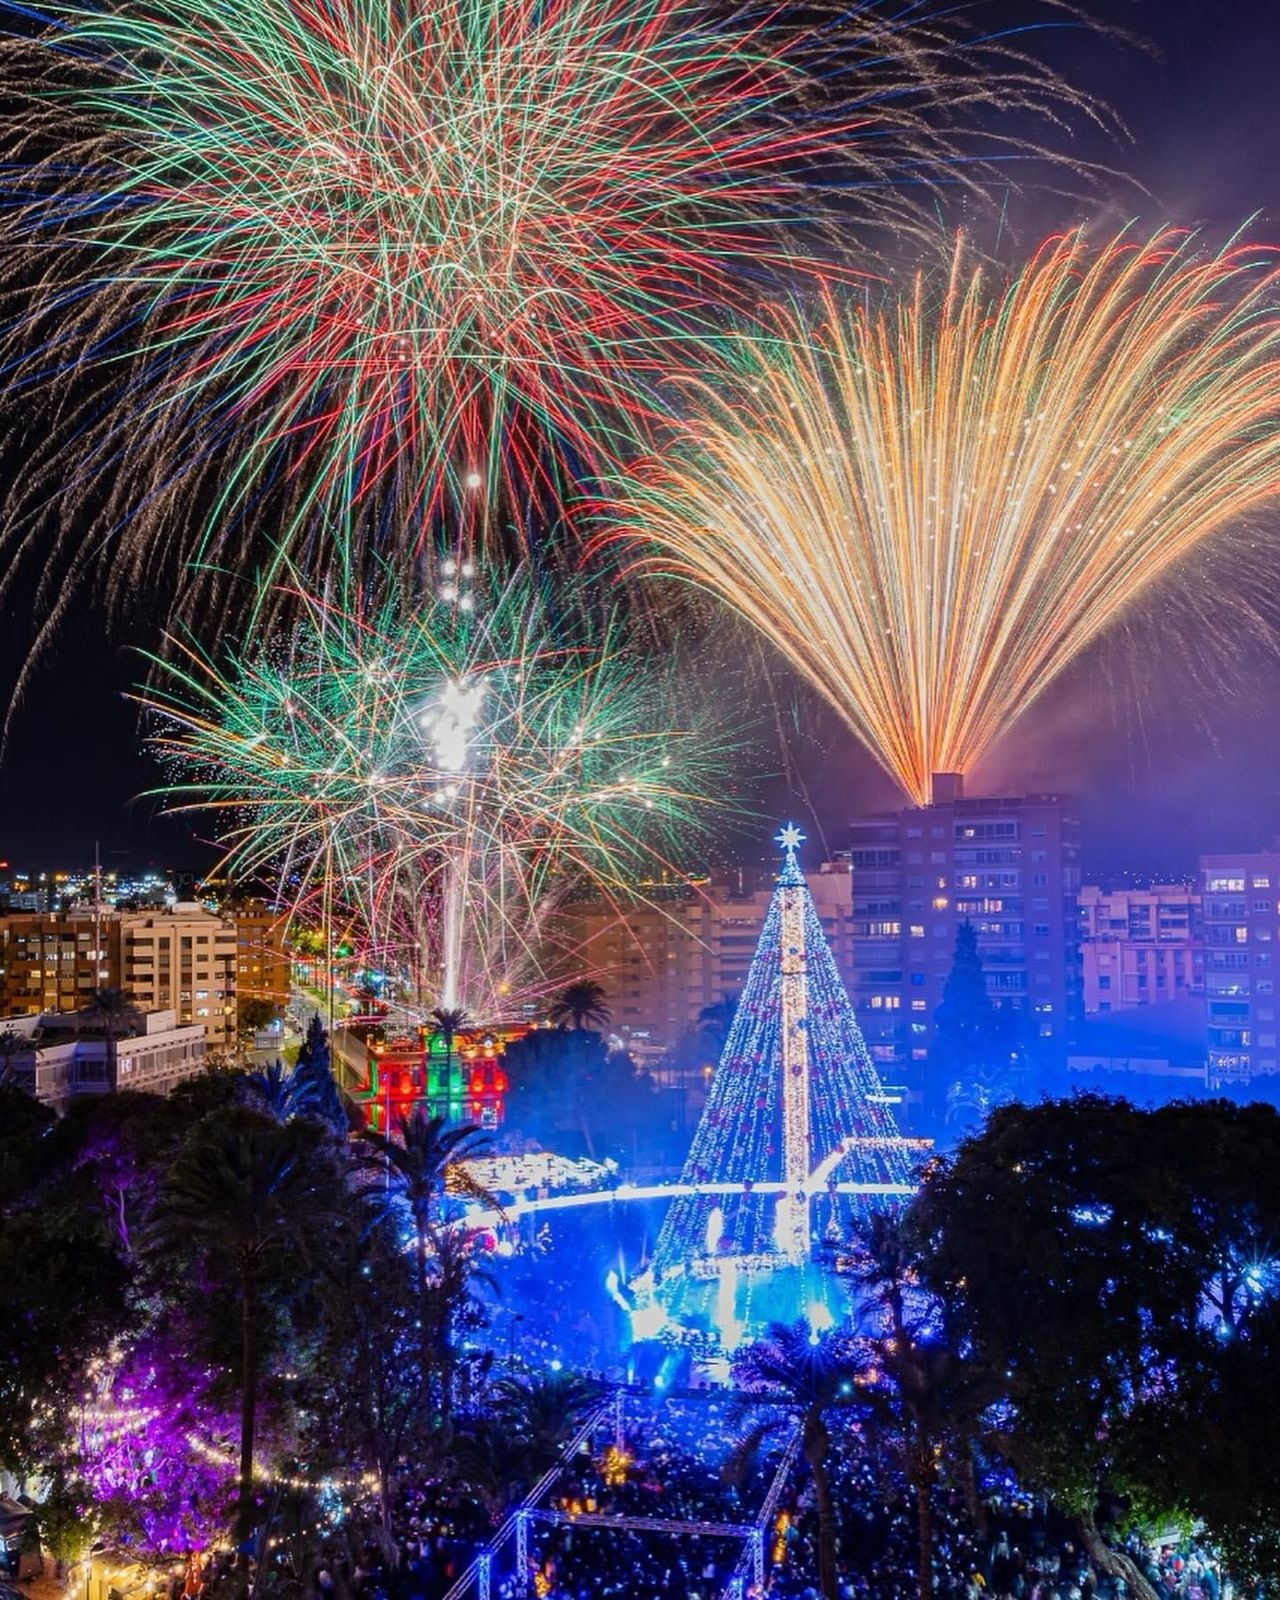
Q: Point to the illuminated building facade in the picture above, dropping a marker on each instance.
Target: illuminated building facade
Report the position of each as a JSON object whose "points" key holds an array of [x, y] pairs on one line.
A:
{"points": [[1008, 864], [1241, 915], [66, 1060], [465, 1084], [1139, 947], [183, 958], [690, 944], [262, 964]]}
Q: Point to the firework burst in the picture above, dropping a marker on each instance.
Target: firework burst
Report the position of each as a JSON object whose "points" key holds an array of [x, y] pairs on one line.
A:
{"points": [[931, 510], [434, 774], [279, 257]]}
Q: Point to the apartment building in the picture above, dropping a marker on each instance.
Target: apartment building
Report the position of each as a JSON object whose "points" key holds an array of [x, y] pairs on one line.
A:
{"points": [[262, 966], [183, 959], [690, 943], [1008, 864], [55, 962], [1139, 947], [1241, 920]]}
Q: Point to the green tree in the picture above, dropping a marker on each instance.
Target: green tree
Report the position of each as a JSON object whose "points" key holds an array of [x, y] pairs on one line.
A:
{"points": [[12, 1044], [567, 1081], [974, 1058], [65, 1298], [451, 1305], [313, 1072], [544, 1409], [24, 1123], [67, 1520], [813, 1376], [278, 1092], [253, 1014], [1055, 1238], [412, 1175], [371, 1406], [715, 1021], [502, 1451], [493, 1462], [1207, 1453], [580, 1005], [246, 1202]]}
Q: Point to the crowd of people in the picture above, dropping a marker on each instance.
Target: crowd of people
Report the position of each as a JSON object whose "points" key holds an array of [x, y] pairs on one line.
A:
{"points": [[665, 1462], [1014, 1548]]}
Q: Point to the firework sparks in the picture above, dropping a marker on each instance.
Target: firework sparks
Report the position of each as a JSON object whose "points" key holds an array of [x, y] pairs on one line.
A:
{"points": [[931, 511], [346, 252], [437, 777]]}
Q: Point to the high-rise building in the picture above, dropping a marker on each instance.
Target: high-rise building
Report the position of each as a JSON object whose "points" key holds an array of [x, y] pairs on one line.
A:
{"points": [[1139, 947], [1008, 864], [182, 959], [1241, 937], [690, 943]]}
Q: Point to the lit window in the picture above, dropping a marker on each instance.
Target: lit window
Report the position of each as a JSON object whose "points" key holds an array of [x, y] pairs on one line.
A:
{"points": [[916, 930]]}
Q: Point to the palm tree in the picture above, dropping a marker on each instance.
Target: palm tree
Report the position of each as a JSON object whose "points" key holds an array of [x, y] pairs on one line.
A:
{"points": [[454, 1270], [493, 1462], [11, 1044], [415, 1173], [450, 1021], [543, 1410], [115, 1010], [581, 1005], [280, 1093], [812, 1375], [237, 1199], [926, 1399]]}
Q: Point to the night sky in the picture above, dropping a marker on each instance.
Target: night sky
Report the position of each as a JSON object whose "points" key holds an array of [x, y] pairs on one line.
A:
{"points": [[1172, 747]]}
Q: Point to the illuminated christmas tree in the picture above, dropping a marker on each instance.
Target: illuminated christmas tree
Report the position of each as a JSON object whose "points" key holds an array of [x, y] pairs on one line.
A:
{"points": [[796, 1140]]}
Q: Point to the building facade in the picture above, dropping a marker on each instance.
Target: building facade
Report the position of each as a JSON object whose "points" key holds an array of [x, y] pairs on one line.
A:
{"points": [[1008, 864], [183, 959], [69, 1057], [55, 962], [1241, 918], [1139, 947], [262, 964], [689, 945]]}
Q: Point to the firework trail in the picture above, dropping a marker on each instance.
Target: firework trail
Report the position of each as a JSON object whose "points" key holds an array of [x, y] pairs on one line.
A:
{"points": [[930, 510], [279, 258], [434, 774]]}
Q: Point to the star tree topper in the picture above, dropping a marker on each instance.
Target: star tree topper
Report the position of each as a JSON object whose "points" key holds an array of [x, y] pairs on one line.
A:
{"points": [[790, 838]]}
